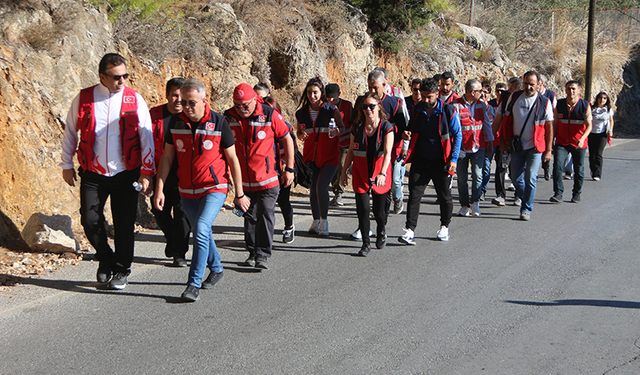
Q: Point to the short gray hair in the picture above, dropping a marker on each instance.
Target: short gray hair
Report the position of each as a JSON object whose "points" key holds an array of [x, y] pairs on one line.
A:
{"points": [[376, 75], [543, 78], [468, 87], [193, 84]]}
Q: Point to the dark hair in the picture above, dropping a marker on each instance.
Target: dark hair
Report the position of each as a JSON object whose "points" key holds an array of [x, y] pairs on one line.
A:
{"points": [[501, 85], [429, 85], [606, 104], [416, 81], [532, 73], [360, 112], [448, 75], [174, 83], [517, 81], [272, 102], [263, 87], [304, 101], [572, 82], [110, 59], [437, 77], [468, 86], [486, 85]]}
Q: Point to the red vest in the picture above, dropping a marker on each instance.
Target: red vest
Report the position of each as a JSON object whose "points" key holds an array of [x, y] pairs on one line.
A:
{"points": [[318, 147], [539, 130], [445, 117], [202, 167], [454, 96], [472, 133], [129, 137], [345, 109], [157, 125], [571, 125], [361, 181], [255, 145]]}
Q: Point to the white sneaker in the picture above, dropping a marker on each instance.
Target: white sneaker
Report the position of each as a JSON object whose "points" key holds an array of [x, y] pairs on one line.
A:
{"points": [[475, 209], [357, 235], [517, 202], [443, 233], [323, 227], [407, 237], [464, 211], [314, 228]]}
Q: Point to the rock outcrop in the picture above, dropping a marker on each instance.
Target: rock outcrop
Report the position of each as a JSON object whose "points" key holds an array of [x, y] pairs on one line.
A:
{"points": [[51, 234]]}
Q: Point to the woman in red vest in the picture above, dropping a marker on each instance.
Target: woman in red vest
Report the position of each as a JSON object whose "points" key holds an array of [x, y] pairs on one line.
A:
{"points": [[370, 152], [319, 126]]}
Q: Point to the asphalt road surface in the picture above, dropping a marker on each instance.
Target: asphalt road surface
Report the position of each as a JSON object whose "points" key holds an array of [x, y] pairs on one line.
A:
{"points": [[557, 295]]}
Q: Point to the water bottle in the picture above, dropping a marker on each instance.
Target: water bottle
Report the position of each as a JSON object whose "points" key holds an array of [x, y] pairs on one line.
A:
{"points": [[137, 186], [332, 128], [506, 159]]}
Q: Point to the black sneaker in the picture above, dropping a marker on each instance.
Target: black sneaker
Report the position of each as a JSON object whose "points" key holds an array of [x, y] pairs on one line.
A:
{"points": [[191, 294], [179, 262], [289, 235], [261, 262], [250, 262], [575, 198], [119, 280], [381, 240], [557, 198], [212, 280], [104, 273], [364, 250]]}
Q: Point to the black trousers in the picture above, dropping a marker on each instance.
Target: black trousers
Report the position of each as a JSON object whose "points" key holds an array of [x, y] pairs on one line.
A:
{"points": [[423, 171], [259, 221], [501, 190], [94, 191], [284, 203], [176, 227], [381, 203], [597, 143]]}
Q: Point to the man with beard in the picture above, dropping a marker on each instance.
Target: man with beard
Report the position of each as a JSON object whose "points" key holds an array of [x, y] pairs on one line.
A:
{"points": [[527, 129], [446, 92]]}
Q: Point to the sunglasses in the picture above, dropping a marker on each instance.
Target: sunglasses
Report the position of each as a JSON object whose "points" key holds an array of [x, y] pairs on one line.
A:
{"points": [[369, 106], [415, 89], [192, 103], [118, 76], [243, 105]]}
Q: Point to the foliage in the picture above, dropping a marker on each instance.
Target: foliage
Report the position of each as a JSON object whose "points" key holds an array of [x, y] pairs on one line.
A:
{"points": [[143, 8], [387, 41]]}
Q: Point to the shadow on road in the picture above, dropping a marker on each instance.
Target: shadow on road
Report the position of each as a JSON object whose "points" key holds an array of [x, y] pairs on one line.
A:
{"points": [[581, 302]]}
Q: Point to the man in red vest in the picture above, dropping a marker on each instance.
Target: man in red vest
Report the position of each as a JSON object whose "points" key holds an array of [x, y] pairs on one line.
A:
{"points": [[446, 93], [175, 226], [115, 151]]}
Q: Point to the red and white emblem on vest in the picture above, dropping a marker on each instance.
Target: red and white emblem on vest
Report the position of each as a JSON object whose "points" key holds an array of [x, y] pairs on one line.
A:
{"points": [[129, 99], [356, 146], [262, 118], [560, 115], [210, 126], [302, 126], [180, 145]]}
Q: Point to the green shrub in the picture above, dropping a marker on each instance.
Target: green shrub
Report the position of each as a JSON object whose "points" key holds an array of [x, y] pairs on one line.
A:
{"points": [[387, 41]]}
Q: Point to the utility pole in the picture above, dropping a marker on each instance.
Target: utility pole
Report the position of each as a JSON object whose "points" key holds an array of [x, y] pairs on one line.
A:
{"points": [[471, 15], [590, 31]]}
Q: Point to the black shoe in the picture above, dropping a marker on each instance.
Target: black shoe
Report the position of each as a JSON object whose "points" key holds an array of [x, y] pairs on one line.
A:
{"points": [[119, 280], [364, 250], [179, 262], [250, 262], [261, 262], [191, 294], [212, 280], [104, 273], [557, 198], [575, 198], [381, 240]]}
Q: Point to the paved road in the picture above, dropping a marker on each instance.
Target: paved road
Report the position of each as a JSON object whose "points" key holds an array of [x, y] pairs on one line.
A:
{"points": [[557, 295]]}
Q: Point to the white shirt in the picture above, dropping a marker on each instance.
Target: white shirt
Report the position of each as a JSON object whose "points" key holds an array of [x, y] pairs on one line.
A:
{"points": [[521, 109], [600, 119], [107, 149]]}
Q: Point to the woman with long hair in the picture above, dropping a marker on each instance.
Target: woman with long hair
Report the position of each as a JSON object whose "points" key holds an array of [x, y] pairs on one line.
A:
{"points": [[319, 125], [602, 130], [370, 152]]}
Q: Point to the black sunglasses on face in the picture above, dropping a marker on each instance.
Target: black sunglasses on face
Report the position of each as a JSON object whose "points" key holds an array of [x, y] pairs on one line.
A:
{"points": [[192, 103], [369, 106], [118, 76], [415, 89]]}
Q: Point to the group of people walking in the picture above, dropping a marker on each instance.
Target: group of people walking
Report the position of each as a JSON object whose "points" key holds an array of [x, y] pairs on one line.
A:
{"points": [[194, 154]]}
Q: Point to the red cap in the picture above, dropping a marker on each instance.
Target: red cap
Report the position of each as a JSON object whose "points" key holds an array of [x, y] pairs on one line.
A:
{"points": [[243, 92]]}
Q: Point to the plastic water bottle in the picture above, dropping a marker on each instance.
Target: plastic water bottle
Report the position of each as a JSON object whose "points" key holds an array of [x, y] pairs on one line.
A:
{"points": [[506, 160], [137, 186], [332, 128]]}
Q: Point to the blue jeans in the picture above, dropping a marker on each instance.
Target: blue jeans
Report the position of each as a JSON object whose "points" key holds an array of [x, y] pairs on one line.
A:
{"points": [[486, 171], [398, 179], [476, 160], [202, 212], [524, 169], [560, 155]]}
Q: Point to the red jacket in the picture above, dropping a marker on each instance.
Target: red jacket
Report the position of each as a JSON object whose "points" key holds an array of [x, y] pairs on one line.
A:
{"points": [[255, 145], [361, 181], [157, 125], [472, 133], [346, 110], [318, 147], [202, 166]]}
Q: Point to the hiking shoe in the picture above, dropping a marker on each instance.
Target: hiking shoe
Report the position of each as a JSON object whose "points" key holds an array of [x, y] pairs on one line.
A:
{"points": [[408, 237], [212, 280], [464, 211], [179, 262], [250, 262], [314, 228], [119, 280], [443, 233], [524, 215], [104, 273], [499, 201], [191, 294], [261, 262], [547, 174], [557, 198], [381, 240], [323, 227], [517, 202], [398, 206], [475, 209], [289, 235], [364, 250], [337, 200], [575, 198]]}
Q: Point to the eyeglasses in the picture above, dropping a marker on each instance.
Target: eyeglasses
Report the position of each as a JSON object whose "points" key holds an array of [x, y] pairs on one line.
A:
{"points": [[369, 106], [477, 90], [243, 105], [191, 103], [118, 76], [415, 89], [485, 92]]}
